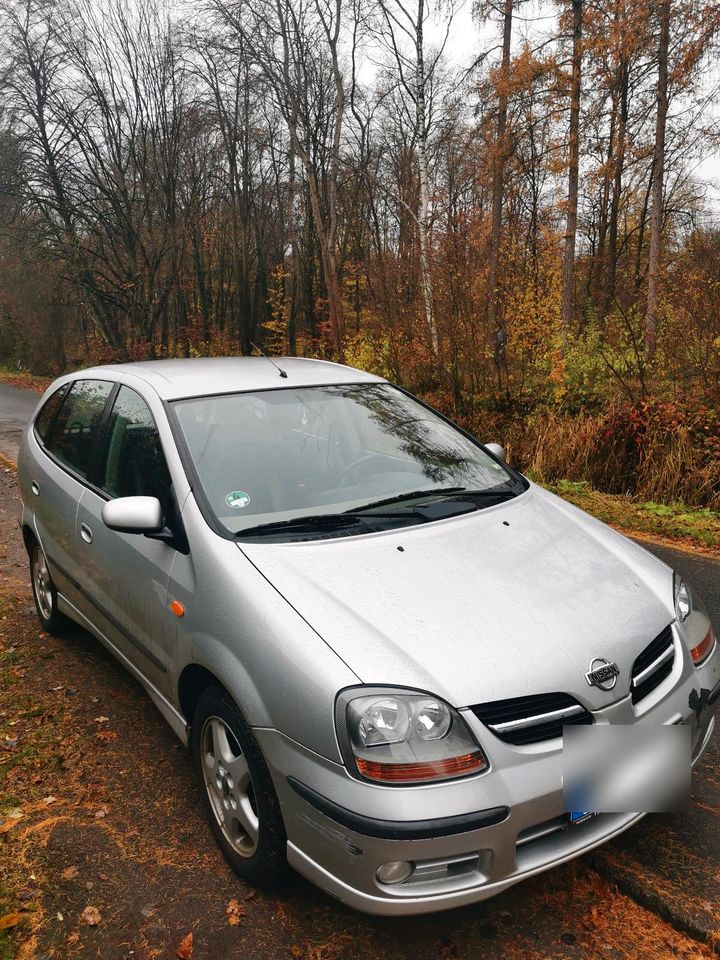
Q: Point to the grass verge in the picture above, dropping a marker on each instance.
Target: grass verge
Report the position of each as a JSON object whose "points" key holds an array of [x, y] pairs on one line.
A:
{"points": [[27, 381], [673, 524]]}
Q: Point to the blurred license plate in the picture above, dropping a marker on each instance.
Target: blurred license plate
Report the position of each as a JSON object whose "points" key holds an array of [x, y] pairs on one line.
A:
{"points": [[580, 816]]}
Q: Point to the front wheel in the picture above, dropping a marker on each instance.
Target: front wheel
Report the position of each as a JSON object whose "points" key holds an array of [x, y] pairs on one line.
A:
{"points": [[238, 793], [44, 593]]}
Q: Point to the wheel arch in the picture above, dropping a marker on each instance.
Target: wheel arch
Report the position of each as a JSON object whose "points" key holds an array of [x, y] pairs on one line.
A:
{"points": [[193, 680], [29, 538]]}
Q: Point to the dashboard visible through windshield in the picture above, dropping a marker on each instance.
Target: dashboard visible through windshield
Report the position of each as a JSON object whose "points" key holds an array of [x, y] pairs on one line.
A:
{"points": [[316, 460]]}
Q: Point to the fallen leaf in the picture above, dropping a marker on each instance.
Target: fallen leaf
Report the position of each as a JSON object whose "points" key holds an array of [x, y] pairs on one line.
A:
{"points": [[234, 913], [102, 812], [91, 916], [185, 947], [10, 920], [68, 873], [48, 800], [106, 735], [103, 876], [102, 719], [60, 917]]}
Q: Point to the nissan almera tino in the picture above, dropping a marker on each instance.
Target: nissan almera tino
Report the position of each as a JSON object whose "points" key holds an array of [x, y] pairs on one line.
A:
{"points": [[369, 629]]}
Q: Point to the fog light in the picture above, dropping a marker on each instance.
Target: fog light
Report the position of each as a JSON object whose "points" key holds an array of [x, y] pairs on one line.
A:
{"points": [[394, 871]]}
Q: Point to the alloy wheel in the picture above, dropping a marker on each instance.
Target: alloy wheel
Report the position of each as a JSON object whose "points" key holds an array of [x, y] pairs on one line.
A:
{"points": [[229, 786], [42, 584]]}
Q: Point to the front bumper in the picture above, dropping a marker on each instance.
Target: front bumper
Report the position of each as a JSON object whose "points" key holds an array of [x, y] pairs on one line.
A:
{"points": [[471, 838]]}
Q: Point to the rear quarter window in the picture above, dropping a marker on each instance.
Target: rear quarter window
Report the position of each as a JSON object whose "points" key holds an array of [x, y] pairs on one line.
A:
{"points": [[74, 435], [48, 412]]}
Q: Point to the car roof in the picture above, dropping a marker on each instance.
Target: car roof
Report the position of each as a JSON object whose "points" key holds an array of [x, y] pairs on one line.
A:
{"points": [[205, 376]]}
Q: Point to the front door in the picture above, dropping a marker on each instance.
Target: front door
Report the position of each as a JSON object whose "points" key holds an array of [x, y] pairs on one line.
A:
{"points": [[127, 574]]}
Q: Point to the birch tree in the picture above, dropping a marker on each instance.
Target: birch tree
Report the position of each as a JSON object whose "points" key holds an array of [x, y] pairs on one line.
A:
{"points": [[402, 32]]}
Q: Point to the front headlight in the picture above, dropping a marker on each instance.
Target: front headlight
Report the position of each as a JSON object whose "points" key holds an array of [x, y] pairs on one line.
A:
{"points": [[694, 621], [403, 737], [683, 603]]}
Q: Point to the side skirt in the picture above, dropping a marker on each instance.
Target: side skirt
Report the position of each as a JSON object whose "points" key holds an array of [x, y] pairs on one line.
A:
{"points": [[174, 718]]}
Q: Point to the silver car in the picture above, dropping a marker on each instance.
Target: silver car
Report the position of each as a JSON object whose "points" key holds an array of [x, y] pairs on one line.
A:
{"points": [[370, 630]]}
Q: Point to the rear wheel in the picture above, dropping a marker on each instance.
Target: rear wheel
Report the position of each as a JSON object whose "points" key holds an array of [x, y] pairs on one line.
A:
{"points": [[239, 797], [44, 593]]}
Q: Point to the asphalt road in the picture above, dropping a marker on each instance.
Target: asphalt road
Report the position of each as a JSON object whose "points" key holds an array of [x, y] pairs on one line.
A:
{"points": [[668, 863], [16, 407]]}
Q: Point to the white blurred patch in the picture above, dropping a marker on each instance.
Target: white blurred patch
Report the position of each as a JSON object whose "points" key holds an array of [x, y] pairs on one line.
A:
{"points": [[626, 768]]}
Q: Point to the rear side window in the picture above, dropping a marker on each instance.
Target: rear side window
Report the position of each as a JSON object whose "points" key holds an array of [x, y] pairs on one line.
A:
{"points": [[74, 435], [48, 411], [133, 462]]}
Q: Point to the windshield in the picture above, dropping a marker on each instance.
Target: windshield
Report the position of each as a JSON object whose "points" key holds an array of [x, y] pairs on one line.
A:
{"points": [[278, 456]]}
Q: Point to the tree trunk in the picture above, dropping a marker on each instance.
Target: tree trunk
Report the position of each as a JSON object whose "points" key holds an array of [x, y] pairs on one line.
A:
{"points": [[494, 324], [568, 269], [424, 204], [612, 254], [656, 211]]}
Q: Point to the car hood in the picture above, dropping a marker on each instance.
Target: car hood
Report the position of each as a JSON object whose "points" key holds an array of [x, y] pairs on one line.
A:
{"points": [[508, 601]]}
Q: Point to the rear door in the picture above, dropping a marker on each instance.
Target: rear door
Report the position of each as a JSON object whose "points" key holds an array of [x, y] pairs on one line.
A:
{"points": [[62, 449], [127, 574]]}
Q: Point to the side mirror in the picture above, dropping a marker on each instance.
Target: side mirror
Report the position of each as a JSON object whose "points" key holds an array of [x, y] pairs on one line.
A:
{"points": [[496, 449], [133, 515]]}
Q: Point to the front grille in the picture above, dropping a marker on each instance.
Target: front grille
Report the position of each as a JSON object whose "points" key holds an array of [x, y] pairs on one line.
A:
{"points": [[524, 720], [653, 665]]}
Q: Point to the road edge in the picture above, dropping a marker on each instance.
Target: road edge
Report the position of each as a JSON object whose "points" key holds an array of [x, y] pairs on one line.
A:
{"points": [[652, 902]]}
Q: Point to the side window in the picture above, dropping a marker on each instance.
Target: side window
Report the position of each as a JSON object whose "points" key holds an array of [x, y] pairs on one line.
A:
{"points": [[49, 409], [74, 436], [133, 459]]}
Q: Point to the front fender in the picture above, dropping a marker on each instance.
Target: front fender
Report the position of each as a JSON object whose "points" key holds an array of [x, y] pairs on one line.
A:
{"points": [[237, 626]]}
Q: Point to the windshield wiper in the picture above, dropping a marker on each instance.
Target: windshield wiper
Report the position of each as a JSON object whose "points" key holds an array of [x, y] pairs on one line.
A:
{"points": [[412, 495], [440, 493], [325, 521], [367, 513]]}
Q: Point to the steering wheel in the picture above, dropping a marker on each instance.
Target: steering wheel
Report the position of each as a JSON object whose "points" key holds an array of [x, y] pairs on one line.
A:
{"points": [[364, 458]]}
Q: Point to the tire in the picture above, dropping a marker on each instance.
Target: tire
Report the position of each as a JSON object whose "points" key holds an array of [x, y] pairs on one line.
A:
{"points": [[45, 593], [238, 794]]}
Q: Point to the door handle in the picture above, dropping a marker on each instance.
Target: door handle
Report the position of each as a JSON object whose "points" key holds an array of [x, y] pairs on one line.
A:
{"points": [[86, 533], [35, 487]]}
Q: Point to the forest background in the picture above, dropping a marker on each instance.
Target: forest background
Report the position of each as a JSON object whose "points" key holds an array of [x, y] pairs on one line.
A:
{"points": [[525, 233]]}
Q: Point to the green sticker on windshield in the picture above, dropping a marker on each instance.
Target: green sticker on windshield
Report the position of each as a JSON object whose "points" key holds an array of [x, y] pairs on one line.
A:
{"points": [[237, 499]]}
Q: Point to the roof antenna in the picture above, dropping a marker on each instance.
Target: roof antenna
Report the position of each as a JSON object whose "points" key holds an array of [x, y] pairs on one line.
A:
{"points": [[262, 353]]}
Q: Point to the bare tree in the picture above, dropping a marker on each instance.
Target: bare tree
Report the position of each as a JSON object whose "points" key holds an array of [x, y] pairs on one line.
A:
{"points": [[568, 267], [295, 46], [658, 170], [495, 325], [402, 32]]}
